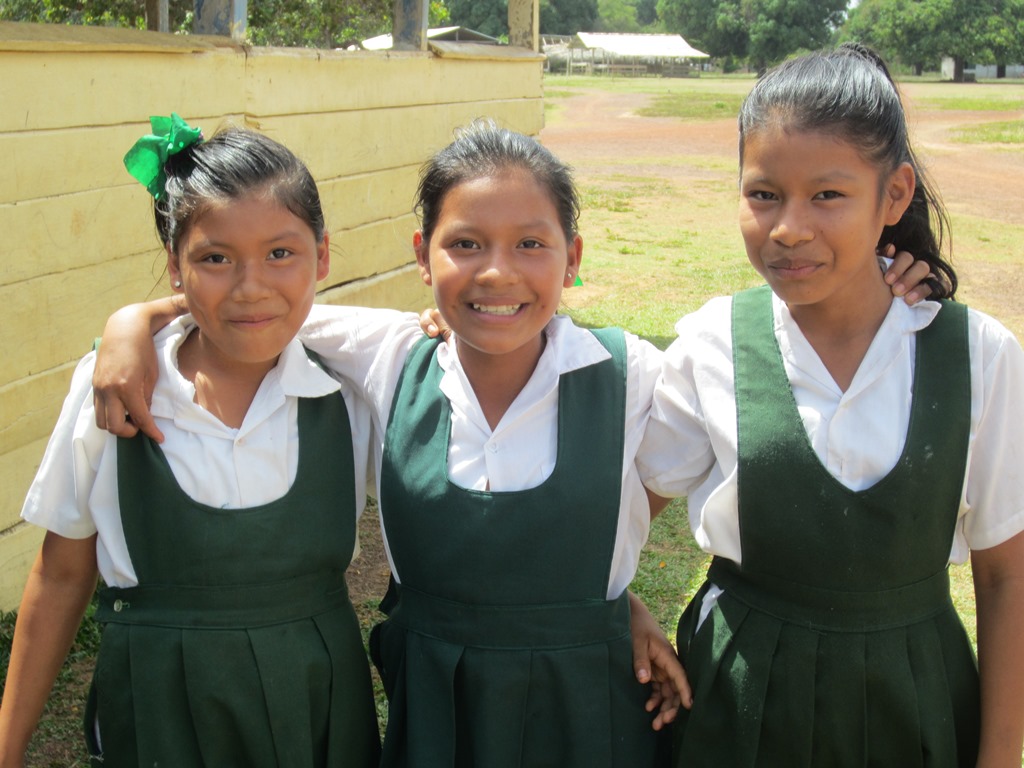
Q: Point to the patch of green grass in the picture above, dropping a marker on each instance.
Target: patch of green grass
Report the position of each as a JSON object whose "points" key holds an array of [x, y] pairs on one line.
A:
{"points": [[694, 106], [1008, 132], [994, 103]]}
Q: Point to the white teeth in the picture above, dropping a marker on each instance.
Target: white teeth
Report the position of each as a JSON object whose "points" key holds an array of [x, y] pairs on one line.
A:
{"points": [[507, 309]]}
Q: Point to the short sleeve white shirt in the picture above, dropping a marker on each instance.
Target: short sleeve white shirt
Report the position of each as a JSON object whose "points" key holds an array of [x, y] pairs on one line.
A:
{"points": [[75, 491], [520, 452], [859, 434]]}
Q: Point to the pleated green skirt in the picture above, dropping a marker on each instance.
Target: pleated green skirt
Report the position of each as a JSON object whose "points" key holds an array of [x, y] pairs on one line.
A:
{"points": [[774, 687]]}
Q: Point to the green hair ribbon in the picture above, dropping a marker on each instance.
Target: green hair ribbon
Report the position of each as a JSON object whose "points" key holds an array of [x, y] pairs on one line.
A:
{"points": [[146, 160]]}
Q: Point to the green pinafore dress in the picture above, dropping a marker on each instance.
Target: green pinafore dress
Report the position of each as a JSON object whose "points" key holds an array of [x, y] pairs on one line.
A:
{"points": [[835, 643], [239, 648], [502, 649]]}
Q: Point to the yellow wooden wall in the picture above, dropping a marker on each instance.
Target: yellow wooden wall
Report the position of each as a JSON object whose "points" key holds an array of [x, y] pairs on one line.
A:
{"points": [[78, 238]]}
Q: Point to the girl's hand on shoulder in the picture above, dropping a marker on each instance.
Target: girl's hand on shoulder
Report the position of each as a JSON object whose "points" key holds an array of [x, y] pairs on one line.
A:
{"points": [[908, 277], [655, 662], [433, 324], [125, 375]]}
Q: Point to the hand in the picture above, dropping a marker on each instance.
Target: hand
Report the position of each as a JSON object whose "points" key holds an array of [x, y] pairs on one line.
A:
{"points": [[433, 324], [125, 375], [655, 662], [908, 277]]}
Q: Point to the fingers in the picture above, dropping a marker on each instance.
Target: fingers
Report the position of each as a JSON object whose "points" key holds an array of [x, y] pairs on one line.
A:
{"points": [[908, 278], [124, 417], [427, 324], [668, 671]]}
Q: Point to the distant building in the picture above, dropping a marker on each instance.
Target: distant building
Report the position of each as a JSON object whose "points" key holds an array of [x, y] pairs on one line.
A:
{"points": [[986, 71], [447, 34], [624, 54]]}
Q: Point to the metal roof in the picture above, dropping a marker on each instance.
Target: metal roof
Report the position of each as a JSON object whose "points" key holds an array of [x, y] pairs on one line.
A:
{"points": [[651, 46]]}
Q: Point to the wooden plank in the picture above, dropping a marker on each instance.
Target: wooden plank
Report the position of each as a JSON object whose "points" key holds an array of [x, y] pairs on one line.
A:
{"points": [[353, 201], [18, 548], [60, 233], [391, 138], [29, 407], [56, 317], [308, 81], [57, 90], [17, 470], [72, 37], [400, 289], [372, 249]]}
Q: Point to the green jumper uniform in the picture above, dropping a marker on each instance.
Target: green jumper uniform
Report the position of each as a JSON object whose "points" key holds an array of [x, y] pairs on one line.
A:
{"points": [[835, 643], [502, 649], [239, 648]]}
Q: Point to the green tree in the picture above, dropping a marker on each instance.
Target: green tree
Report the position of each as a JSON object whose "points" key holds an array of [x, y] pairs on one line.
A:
{"points": [[647, 12], [487, 16], [616, 16], [317, 23], [762, 31], [920, 32], [717, 27], [106, 13], [567, 17]]}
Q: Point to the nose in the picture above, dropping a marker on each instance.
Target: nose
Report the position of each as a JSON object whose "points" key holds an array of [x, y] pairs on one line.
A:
{"points": [[250, 282], [500, 267], [792, 226]]}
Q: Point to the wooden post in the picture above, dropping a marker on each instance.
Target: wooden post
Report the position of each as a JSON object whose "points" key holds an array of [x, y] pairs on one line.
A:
{"points": [[221, 17], [157, 16], [409, 25], [524, 24]]}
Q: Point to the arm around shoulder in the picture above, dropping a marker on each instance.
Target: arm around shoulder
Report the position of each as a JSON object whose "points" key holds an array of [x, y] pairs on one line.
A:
{"points": [[126, 367]]}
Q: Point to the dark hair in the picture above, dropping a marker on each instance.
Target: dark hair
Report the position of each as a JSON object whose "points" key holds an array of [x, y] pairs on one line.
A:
{"points": [[849, 93], [233, 164], [482, 149]]}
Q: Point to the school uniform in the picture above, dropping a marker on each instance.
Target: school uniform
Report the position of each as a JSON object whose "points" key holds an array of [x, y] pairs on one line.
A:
{"points": [[825, 634], [229, 638], [511, 550]]}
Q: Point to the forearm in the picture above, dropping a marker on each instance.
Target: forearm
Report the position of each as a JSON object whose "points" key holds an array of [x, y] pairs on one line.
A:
{"points": [[999, 598], [51, 610], [152, 315], [1001, 665]]}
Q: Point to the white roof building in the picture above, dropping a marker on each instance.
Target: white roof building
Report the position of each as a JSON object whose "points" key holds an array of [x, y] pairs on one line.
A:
{"points": [[647, 46]]}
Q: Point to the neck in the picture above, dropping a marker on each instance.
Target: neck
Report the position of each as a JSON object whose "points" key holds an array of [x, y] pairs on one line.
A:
{"points": [[497, 380], [224, 387], [841, 330]]}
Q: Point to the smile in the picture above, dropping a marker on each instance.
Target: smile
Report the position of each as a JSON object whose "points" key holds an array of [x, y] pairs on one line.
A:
{"points": [[503, 309], [792, 270]]}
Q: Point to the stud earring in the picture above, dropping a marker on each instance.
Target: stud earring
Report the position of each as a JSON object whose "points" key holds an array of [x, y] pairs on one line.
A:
{"points": [[177, 283]]}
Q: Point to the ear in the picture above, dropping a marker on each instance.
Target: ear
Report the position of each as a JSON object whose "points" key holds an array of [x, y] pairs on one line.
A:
{"points": [[422, 248], [323, 257], [575, 258], [173, 272], [899, 191]]}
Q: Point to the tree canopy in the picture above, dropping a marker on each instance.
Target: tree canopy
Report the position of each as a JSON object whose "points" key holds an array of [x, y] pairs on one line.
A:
{"points": [[761, 31], [557, 17], [919, 32]]}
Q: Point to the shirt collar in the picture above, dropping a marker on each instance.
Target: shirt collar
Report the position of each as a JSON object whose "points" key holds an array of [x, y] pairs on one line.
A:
{"points": [[295, 374], [568, 348]]}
